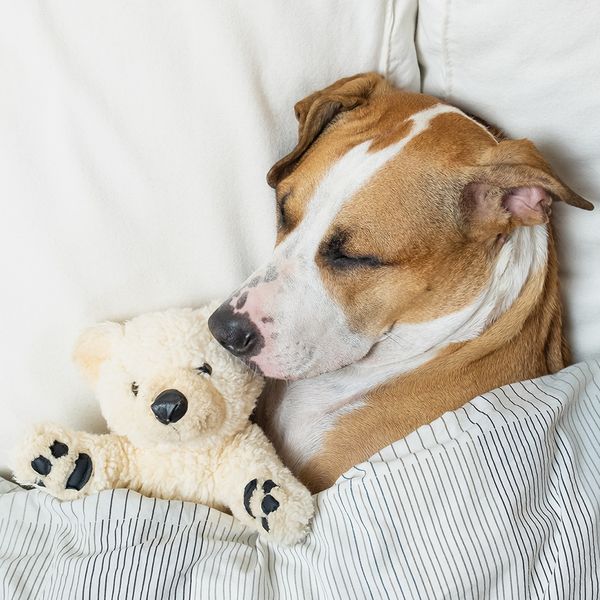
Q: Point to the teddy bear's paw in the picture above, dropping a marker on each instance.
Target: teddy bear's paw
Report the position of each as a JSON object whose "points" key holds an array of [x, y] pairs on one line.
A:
{"points": [[52, 460], [282, 513]]}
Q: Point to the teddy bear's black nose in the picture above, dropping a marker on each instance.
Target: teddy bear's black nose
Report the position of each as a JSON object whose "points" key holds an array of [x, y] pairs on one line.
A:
{"points": [[169, 406], [235, 332]]}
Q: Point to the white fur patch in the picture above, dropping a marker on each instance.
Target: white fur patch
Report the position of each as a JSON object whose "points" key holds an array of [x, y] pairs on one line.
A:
{"points": [[311, 407]]}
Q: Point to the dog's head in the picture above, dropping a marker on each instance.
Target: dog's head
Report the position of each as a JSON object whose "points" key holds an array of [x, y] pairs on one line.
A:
{"points": [[393, 208]]}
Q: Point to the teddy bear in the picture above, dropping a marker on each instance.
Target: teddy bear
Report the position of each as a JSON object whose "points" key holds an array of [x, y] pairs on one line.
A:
{"points": [[178, 409]]}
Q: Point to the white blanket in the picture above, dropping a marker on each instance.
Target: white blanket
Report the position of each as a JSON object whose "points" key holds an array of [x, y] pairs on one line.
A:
{"points": [[499, 499]]}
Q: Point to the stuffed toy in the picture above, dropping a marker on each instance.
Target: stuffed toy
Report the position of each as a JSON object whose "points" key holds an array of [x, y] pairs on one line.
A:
{"points": [[177, 406]]}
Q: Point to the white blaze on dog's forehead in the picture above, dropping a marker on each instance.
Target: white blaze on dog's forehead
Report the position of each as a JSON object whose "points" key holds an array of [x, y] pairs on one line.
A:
{"points": [[347, 176]]}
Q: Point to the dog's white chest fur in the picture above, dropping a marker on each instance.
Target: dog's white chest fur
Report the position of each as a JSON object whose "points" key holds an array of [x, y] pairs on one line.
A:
{"points": [[305, 413]]}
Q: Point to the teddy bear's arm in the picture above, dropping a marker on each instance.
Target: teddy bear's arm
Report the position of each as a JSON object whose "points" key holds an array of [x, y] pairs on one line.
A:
{"points": [[260, 491], [72, 464]]}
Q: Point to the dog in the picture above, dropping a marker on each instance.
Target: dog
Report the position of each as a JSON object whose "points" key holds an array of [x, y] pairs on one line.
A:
{"points": [[414, 269]]}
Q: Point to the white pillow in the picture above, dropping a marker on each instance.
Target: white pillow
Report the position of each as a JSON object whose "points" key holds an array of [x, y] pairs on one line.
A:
{"points": [[533, 69], [134, 142]]}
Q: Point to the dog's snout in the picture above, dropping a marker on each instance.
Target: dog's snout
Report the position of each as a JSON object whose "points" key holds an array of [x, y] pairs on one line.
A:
{"points": [[169, 406], [235, 331]]}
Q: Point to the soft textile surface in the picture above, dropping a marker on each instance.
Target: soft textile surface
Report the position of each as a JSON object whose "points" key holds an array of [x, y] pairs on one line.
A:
{"points": [[499, 499], [533, 68], [134, 142]]}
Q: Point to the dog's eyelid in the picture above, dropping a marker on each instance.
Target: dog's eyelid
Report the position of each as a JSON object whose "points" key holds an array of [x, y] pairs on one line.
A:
{"points": [[344, 261], [282, 199], [281, 202], [336, 254]]}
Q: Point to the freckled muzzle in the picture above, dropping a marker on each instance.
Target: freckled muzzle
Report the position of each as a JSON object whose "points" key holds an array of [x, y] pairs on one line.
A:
{"points": [[236, 332]]}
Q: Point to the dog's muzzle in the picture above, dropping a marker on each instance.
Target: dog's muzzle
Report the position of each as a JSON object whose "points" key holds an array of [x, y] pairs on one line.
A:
{"points": [[235, 332], [169, 406]]}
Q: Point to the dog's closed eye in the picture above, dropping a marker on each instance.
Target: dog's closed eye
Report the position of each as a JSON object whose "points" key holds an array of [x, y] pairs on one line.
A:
{"points": [[135, 388], [336, 255], [282, 220]]}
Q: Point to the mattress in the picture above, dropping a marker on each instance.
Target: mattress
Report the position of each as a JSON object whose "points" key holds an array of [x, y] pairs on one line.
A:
{"points": [[498, 499]]}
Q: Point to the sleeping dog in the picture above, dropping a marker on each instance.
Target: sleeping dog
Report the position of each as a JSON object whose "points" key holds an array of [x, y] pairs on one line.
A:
{"points": [[414, 269]]}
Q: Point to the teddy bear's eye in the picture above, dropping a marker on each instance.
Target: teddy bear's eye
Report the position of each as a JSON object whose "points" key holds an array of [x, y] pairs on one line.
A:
{"points": [[205, 368], [135, 388]]}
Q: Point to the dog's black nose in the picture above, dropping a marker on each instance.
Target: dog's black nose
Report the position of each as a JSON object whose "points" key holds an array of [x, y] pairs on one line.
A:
{"points": [[235, 332], [169, 406]]}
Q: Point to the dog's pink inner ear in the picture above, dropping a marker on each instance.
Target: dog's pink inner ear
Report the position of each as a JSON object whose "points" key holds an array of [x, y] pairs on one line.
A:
{"points": [[493, 209], [528, 205]]}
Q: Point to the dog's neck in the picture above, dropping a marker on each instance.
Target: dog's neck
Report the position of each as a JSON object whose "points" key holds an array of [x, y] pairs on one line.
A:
{"points": [[303, 416]]}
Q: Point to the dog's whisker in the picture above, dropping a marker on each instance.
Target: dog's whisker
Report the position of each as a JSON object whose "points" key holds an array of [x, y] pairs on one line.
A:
{"points": [[390, 335]]}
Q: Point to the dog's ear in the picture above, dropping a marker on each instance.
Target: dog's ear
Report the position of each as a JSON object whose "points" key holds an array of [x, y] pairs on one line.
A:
{"points": [[318, 109], [515, 186], [94, 346]]}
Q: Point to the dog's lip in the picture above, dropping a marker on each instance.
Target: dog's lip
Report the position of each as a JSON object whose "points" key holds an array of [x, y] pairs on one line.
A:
{"points": [[287, 378], [308, 373], [279, 376]]}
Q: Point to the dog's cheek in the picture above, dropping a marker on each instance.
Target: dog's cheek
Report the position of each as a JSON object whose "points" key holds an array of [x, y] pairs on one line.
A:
{"points": [[268, 365]]}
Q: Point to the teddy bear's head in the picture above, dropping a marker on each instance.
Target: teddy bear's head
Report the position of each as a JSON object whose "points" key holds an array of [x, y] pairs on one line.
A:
{"points": [[161, 377]]}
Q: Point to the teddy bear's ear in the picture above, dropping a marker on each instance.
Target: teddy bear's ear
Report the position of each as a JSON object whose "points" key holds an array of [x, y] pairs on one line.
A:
{"points": [[94, 346]]}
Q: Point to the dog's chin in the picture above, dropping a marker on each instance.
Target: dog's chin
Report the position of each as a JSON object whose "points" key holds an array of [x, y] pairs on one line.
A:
{"points": [[291, 373], [274, 372]]}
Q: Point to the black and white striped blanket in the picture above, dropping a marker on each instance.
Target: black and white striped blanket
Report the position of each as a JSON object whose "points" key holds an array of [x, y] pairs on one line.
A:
{"points": [[499, 499]]}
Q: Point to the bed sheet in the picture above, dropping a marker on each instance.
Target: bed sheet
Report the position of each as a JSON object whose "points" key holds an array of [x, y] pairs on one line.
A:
{"points": [[499, 499]]}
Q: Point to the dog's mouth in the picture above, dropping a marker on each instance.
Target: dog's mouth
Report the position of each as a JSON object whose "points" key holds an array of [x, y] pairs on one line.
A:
{"points": [[254, 367], [294, 366], [286, 353]]}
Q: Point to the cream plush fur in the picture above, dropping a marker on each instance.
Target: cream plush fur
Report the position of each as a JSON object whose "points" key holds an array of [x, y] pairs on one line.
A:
{"points": [[212, 454]]}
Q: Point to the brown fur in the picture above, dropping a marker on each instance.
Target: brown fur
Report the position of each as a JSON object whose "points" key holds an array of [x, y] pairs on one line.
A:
{"points": [[434, 218], [525, 342]]}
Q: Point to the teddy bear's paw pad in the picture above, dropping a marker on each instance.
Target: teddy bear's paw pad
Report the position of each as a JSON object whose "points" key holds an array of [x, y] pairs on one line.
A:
{"points": [[41, 465], [281, 513], [268, 503], [58, 469], [81, 473], [59, 449]]}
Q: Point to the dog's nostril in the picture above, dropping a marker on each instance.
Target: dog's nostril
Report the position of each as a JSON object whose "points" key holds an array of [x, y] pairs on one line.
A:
{"points": [[236, 332], [247, 339], [169, 406]]}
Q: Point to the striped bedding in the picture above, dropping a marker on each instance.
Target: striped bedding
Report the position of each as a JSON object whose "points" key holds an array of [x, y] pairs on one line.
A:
{"points": [[499, 499]]}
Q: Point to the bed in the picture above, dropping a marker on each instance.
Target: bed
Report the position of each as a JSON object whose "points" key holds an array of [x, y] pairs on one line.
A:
{"points": [[498, 499], [134, 143]]}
